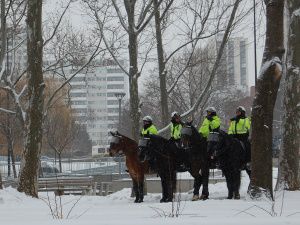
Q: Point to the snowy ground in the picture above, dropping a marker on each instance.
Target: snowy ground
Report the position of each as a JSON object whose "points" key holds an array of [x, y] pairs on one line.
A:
{"points": [[118, 208]]}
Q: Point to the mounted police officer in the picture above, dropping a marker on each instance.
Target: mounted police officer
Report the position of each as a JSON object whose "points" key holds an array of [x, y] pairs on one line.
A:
{"points": [[181, 156], [240, 128], [176, 126], [211, 122], [240, 125], [148, 127]]}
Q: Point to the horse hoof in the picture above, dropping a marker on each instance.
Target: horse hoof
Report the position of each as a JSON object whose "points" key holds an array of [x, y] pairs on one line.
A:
{"points": [[140, 200], [237, 196], [203, 197], [165, 200], [162, 200], [136, 201], [195, 198]]}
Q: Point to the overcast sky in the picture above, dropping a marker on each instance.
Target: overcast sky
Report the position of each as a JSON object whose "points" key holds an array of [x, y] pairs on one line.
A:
{"points": [[245, 30]]}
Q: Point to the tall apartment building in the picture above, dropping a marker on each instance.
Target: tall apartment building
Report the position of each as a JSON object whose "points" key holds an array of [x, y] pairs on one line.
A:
{"points": [[233, 68], [94, 102]]}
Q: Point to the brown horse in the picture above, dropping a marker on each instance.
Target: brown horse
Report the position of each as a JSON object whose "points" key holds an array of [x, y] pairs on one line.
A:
{"points": [[121, 144]]}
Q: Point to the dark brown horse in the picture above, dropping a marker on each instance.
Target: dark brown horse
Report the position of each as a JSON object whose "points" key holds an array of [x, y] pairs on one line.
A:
{"points": [[121, 144]]}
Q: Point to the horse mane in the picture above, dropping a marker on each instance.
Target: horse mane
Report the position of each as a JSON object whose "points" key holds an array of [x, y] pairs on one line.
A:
{"points": [[131, 141], [158, 138], [196, 135]]}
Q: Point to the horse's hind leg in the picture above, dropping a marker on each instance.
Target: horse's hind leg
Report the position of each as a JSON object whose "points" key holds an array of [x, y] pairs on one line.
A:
{"points": [[229, 183], [197, 185], [164, 187], [172, 189], [140, 191], [237, 184], [205, 176], [136, 190]]}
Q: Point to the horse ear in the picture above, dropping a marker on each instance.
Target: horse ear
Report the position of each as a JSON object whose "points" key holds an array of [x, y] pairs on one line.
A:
{"points": [[117, 133], [112, 133]]}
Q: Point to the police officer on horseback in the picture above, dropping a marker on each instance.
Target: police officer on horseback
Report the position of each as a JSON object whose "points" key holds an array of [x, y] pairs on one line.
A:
{"points": [[211, 122], [240, 125], [181, 156], [239, 128], [148, 127], [176, 126]]}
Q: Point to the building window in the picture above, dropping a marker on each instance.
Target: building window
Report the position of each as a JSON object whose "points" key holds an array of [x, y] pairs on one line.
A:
{"points": [[113, 118], [78, 102], [114, 70], [74, 79], [78, 94], [115, 86], [115, 78], [112, 102]]}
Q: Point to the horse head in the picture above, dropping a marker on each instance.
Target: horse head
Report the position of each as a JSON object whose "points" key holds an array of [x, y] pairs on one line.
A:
{"points": [[116, 144]]}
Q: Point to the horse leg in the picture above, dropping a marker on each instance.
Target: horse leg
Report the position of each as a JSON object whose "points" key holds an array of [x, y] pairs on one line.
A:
{"points": [[135, 189], [197, 185], [237, 184], [141, 191], [228, 177], [164, 187], [173, 185], [205, 177]]}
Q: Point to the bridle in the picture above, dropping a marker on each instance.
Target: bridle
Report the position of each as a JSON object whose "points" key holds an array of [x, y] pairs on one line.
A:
{"points": [[118, 140]]}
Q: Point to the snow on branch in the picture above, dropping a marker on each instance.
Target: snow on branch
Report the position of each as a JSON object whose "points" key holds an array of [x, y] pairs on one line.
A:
{"points": [[296, 13], [217, 62], [7, 111]]}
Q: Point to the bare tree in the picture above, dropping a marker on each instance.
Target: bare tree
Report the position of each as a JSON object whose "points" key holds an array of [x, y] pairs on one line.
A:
{"points": [[3, 46], [263, 105], [60, 130], [133, 18], [34, 117], [288, 177], [202, 97]]}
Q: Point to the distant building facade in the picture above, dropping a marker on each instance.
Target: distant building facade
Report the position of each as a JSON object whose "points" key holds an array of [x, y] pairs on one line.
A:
{"points": [[93, 100], [233, 68]]}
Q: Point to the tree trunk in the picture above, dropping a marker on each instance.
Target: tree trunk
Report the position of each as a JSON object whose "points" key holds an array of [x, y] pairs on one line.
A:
{"points": [[59, 161], [3, 33], [13, 163], [3, 47], [289, 158], [263, 105], [34, 117], [9, 147], [133, 70], [161, 67]]}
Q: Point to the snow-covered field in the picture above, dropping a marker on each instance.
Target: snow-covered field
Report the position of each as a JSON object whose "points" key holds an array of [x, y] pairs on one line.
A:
{"points": [[118, 208]]}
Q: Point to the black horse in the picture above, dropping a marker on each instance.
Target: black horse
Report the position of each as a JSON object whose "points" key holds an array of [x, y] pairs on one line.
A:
{"points": [[195, 147], [232, 158], [160, 153]]}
